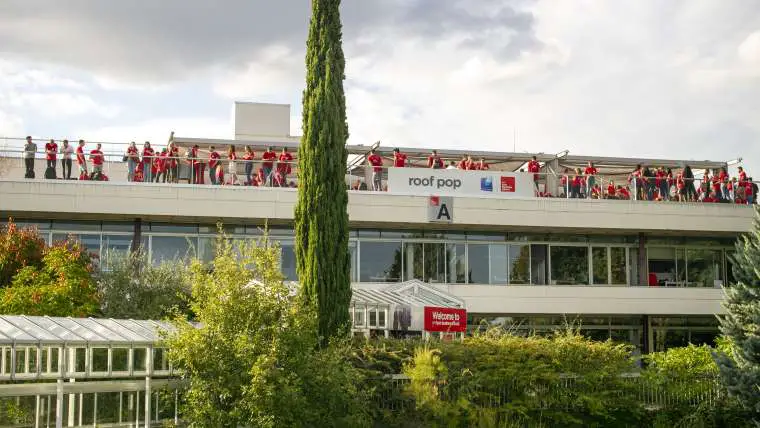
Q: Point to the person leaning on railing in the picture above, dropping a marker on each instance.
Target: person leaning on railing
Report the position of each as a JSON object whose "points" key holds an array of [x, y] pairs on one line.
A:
{"points": [[376, 162], [66, 162], [97, 158], [30, 149], [81, 161], [132, 158]]}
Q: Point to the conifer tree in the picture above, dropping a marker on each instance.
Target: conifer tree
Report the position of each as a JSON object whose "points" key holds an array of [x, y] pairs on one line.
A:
{"points": [[740, 371], [321, 219]]}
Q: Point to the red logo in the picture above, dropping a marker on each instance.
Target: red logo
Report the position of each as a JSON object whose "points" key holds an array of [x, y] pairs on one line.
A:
{"points": [[435, 201], [445, 319], [507, 184]]}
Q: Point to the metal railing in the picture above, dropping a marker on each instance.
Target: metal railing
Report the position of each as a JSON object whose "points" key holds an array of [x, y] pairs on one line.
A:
{"points": [[275, 173]]}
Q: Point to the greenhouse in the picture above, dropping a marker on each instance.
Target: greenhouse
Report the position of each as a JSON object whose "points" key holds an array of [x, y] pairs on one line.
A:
{"points": [[67, 372]]}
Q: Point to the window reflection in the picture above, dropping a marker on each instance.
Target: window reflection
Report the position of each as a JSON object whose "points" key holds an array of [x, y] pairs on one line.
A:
{"points": [[380, 261], [519, 264], [288, 261], [617, 265], [455, 254], [167, 248], [538, 264], [569, 265], [477, 264], [704, 268], [90, 242], [599, 265], [115, 246]]}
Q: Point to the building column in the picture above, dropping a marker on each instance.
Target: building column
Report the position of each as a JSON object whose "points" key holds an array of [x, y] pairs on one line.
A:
{"points": [[643, 268], [551, 168], [137, 236], [647, 335]]}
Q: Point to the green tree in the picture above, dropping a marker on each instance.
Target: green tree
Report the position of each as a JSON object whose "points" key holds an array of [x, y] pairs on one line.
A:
{"points": [[62, 286], [740, 371], [18, 248], [321, 219], [253, 359], [133, 287]]}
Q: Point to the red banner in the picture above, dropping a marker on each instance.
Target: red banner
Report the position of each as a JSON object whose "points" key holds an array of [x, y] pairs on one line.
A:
{"points": [[445, 319]]}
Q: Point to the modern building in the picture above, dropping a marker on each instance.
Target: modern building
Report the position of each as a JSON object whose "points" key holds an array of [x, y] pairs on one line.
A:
{"points": [[647, 273]]}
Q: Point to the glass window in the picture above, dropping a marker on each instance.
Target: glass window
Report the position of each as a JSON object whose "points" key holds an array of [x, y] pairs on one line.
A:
{"points": [[670, 338], [569, 265], [352, 250], [119, 227], [139, 358], [381, 318], [499, 270], [114, 246], [435, 263], [207, 248], [372, 317], [730, 278], [704, 267], [633, 266], [120, 359], [24, 224], [618, 266], [413, 261], [599, 265], [519, 264], [368, 233], [87, 226], [538, 264], [90, 242], [99, 359], [379, 261], [80, 360], [173, 228], [159, 360], [477, 264], [485, 236], [288, 261], [567, 238], [455, 254], [172, 248], [21, 360], [703, 337], [359, 317], [666, 265]]}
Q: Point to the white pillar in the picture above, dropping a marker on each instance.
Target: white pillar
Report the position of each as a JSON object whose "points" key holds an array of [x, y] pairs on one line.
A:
{"points": [[148, 373], [59, 402]]}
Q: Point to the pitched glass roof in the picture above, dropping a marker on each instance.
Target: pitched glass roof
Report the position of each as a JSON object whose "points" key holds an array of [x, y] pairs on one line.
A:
{"points": [[23, 329]]}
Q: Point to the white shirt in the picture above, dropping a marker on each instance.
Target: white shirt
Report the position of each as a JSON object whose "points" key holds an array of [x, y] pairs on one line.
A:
{"points": [[67, 151], [451, 167]]}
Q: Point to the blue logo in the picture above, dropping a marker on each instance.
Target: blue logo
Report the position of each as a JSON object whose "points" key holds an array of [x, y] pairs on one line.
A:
{"points": [[486, 184]]}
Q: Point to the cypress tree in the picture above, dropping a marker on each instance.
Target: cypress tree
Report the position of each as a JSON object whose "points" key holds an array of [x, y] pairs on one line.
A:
{"points": [[321, 217], [740, 371]]}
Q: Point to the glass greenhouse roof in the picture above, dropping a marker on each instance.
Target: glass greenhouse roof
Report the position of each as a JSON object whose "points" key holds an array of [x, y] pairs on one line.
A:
{"points": [[22, 329]]}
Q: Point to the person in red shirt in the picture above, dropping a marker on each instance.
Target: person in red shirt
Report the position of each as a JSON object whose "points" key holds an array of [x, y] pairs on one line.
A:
{"points": [[51, 149], [173, 163], [716, 185], [471, 164], [590, 173], [435, 161], [377, 170], [148, 157], [232, 164], [399, 159], [611, 190], [196, 166], [213, 164], [162, 166], [284, 165], [742, 174], [681, 186], [661, 183], [81, 160], [623, 192], [464, 164], [482, 165], [97, 158], [133, 158], [248, 158], [535, 168], [268, 159], [575, 188]]}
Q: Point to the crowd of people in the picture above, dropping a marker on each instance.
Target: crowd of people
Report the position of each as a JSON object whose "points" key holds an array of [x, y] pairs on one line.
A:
{"points": [[228, 167], [149, 165]]}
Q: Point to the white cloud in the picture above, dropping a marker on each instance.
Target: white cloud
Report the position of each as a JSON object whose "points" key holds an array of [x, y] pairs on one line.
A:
{"points": [[273, 74], [749, 50], [157, 130], [55, 104]]}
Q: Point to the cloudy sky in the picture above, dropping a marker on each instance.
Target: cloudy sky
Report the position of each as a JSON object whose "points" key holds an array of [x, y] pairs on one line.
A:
{"points": [[645, 78]]}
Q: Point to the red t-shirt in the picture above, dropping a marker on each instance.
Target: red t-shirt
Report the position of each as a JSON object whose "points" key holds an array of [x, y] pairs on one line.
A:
{"points": [[590, 170], [161, 163], [483, 166], [743, 176], [232, 156], [435, 162], [624, 193], [534, 166], [248, 156], [80, 156], [194, 157], [268, 158], [132, 151], [97, 157], [660, 175], [399, 160], [213, 159], [283, 167], [148, 154], [611, 190], [376, 161], [173, 154], [463, 164], [472, 166], [50, 151]]}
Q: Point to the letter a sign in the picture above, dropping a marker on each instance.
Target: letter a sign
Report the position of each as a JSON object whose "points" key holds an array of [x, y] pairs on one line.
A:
{"points": [[441, 209]]}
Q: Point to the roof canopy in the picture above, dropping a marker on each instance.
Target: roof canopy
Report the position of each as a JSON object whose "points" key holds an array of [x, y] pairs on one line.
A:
{"points": [[51, 331], [412, 293]]}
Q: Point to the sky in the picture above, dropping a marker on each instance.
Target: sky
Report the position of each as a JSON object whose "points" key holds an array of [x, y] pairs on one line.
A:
{"points": [[635, 78]]}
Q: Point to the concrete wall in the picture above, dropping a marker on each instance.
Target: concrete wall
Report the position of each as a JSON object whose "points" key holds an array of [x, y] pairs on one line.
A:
{"points": [[588, 300], [74, 199]]}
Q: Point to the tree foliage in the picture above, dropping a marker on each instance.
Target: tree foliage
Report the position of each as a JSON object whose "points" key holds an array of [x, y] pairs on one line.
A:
{"points": [[61, 285], [740, 369], [18, 248], [133, 287], [252, 359], [321, 218]]}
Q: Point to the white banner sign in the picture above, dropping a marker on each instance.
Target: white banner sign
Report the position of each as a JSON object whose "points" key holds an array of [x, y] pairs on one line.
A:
{"points": [[455, 182]]}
